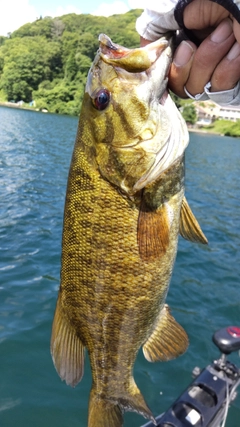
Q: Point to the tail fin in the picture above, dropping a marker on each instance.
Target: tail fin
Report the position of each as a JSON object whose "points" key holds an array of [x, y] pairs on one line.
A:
{"points": [[109, 412], [103, 413]]}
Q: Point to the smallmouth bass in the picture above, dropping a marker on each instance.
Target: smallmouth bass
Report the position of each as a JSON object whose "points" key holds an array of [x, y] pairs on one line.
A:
{"points": [[124, 209]]}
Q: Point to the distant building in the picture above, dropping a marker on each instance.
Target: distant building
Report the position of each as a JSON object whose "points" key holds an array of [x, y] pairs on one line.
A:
{"points": [[208, 111], [230, 113], [204, 121]]}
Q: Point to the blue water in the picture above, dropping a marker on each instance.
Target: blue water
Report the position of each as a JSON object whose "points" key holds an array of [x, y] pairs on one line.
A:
{"points": [[35, 152]]}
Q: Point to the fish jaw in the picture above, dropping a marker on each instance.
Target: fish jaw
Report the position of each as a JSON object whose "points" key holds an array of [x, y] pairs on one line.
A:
{"points": [[144, 69], [132, 60], [135, 138], [152, 61]]}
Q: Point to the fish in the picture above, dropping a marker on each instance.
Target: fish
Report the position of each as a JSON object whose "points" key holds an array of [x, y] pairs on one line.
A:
{"points": [[125, 207]]}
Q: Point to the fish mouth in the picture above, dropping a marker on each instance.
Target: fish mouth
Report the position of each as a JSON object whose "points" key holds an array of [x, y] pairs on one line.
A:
{"points": [[166, 141], [150, 64], [132, 60]]}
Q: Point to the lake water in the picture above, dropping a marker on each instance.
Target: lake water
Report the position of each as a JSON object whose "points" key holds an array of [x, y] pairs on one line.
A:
{"points": [[35, 152]]}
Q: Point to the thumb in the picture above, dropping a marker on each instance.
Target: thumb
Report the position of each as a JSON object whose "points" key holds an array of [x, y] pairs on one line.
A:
{"points": [[181, 67]]}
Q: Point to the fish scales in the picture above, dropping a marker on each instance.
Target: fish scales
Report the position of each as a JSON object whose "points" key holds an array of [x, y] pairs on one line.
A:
{"points": [[109, 259], [123, 213]]}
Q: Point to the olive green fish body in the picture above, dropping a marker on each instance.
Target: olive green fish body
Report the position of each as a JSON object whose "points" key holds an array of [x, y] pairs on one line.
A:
{"points": [[121, 224]]}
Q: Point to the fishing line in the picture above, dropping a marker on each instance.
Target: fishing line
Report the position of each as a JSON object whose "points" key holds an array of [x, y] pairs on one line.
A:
{"points": [[227, 403], [229, 398]]}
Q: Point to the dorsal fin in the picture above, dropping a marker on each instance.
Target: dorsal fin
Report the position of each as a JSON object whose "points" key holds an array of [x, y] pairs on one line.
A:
{"points": [[189, 227], [66, 349], [153, 231], [168, 340]]}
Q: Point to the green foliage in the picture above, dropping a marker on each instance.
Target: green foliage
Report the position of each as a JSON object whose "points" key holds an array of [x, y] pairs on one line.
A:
{"points": [[3, 97], [25, 62], [189, 113], [225, 127], [41, 27], [48, 60], [176, 99], [59, 98], [2, 40]]}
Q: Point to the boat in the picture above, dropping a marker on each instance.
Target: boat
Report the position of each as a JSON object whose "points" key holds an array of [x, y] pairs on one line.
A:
{"points": [[206, 400]]}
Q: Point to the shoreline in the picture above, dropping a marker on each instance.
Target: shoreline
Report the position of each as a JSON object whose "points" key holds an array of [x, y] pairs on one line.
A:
{"points": [[196, 130], [14, 105], [23, 107]]}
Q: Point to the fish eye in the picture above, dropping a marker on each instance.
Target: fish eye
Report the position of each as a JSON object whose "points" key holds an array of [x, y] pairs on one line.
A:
{"points": [[101, 99]]}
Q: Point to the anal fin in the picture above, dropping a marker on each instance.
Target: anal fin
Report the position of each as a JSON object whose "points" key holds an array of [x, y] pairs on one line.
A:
{"points": [[153, 231], [168, 340], [189, 227], [67, 349]]}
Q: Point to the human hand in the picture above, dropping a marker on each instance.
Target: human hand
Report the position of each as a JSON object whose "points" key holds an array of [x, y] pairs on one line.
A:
{"points": [[216, 60]]}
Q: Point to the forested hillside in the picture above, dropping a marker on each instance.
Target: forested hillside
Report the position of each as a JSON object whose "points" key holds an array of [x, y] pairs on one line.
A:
{"points": [[47, 61]]}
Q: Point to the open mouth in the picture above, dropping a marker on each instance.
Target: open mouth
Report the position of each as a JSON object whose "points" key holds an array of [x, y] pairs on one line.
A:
{"points": [[132, 60]]}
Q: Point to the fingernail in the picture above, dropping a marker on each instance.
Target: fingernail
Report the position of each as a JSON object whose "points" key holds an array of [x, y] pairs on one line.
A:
{"points": [[222, 32], [234, 52], [183, 54]]}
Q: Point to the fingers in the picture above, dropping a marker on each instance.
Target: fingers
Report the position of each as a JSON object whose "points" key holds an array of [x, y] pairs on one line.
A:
{"points": [[181, 67], [209, 54], [202, 14], [215, 60], [227, 73]]}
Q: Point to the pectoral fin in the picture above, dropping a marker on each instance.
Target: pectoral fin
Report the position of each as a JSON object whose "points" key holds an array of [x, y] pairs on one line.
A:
{"points": [[189, 227], [66, 349], [168, 340], [153, 231]]}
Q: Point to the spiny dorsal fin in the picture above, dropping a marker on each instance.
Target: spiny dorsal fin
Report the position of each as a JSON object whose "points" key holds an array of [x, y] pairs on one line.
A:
{"points": [[168, 340], [66, 349], [153, 231], [189, 227]]}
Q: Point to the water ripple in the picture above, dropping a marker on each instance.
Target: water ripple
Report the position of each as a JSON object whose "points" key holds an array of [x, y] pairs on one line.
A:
{"points": [[35, 152]]}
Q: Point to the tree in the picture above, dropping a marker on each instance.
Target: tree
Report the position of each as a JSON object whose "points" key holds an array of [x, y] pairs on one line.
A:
{"points": [[30, 60], [189, 113], [21, 91], [71, 68], [176, 100], [41, 27], [57, 28], [48, 60], [88, 45], [2, 40]]}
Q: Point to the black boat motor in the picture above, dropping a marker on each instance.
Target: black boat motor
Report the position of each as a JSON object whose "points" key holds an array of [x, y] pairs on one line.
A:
{"points": [[206, 400]]}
